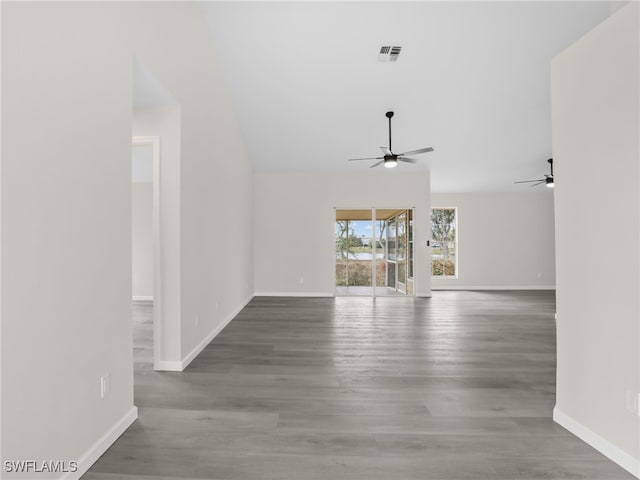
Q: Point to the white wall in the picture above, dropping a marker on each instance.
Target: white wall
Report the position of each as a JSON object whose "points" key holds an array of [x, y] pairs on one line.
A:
{"points": [[142, 213], [1, 195], [618, 4], [215, 242], [66, 236], [295, 220], [142, 240], [596, 129], [66, 211], [505, 240]]}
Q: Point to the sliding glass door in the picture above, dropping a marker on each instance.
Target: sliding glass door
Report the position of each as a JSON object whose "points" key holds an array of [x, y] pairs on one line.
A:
{"points": [[373, 252], [396, 251], [355, 243], [401, 252]]}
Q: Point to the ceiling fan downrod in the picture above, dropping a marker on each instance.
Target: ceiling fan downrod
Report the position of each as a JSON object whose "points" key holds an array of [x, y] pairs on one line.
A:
{"points": [[390, 159], [389, 115]]}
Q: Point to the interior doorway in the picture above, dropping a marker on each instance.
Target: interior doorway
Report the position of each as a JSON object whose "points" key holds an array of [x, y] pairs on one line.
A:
{"points": [[145, 254], [374, 252]]}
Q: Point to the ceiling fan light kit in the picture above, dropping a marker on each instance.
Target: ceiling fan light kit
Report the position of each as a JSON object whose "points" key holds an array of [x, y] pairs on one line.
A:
{"points": [[548, 180], [390, 159]]}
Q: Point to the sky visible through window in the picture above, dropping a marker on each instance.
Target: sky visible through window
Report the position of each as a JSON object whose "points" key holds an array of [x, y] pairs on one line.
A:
{"points": [[362, 228]]}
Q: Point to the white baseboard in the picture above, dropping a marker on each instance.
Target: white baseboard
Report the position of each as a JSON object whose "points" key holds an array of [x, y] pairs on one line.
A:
{"points": [[99, 447], [622, 458], [168, 366], [293, 294], [142, 298], [194, 353], [492, 287]]}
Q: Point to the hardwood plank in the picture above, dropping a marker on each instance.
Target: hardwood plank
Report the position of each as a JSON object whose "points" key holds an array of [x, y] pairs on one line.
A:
{"points": [[457, 386]]}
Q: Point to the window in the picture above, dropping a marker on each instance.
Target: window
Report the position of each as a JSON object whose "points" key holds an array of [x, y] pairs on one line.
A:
{"points": [[444, 235]]}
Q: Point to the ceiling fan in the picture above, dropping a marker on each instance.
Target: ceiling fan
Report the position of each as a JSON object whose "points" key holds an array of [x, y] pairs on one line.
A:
{"points": [[389, 158], [547, 180]]}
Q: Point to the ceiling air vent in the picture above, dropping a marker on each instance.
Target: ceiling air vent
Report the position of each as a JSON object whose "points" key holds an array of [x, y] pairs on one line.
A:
{"points": [[389, 53]]}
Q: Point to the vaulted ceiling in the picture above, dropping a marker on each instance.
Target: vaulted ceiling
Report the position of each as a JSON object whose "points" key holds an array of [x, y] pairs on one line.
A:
{"points": [[472, 81]]}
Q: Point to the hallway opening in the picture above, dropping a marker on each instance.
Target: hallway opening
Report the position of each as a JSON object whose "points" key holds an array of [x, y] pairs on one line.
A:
{"points": [[145, 237]]}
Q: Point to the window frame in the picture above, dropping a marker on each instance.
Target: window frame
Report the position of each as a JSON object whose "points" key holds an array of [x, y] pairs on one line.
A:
{"points": [[456, 256]]}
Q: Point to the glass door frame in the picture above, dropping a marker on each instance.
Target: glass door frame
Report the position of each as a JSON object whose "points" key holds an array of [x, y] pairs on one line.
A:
{"points": [[401, 286], [373, 238], [409, 215]]}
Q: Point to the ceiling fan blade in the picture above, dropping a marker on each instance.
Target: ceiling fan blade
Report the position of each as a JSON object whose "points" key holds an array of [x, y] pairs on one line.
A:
{"points": [[539, 183], [377, 163], [407, 160], [531, 181], [367, 158], [386, 151], [420, 150]]}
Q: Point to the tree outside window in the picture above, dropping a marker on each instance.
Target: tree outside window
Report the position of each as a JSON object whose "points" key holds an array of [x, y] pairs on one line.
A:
{"points": [[444, 242]]}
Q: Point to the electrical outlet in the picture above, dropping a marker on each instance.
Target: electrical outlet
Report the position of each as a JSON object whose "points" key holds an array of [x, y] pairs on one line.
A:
{"points": [[105, 385]]}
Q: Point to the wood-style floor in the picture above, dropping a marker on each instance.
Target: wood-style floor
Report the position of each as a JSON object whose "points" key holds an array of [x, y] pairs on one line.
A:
{"points": [[458, 386]]}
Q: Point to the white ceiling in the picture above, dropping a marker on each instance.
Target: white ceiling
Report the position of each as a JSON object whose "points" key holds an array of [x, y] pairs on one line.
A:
{"points": [[472, 81]]}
